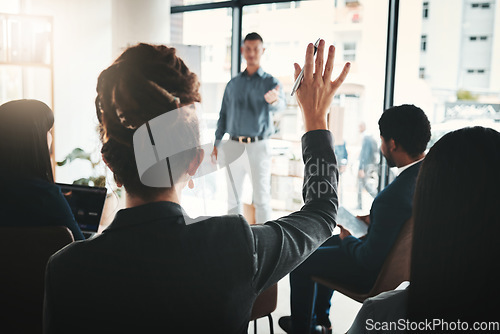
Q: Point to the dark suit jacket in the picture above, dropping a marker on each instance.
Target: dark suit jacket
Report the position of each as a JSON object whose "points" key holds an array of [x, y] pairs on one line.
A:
{"points": [[150, 272], [390, 210]]}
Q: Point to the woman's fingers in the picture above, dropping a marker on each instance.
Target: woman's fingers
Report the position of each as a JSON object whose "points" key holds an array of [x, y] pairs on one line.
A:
{"points": [[318, 68], [297, 71], [308, 66], [340, 79], [327, 77]]}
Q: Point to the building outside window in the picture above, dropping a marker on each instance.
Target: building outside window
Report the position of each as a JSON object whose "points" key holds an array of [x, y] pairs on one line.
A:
{"points": [[423, 43], [421, 72], [350, 51], [425, 10], [457, 80]]}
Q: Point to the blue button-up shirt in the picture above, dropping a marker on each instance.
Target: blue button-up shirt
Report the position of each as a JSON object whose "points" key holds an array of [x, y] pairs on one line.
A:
{"points": [[244, 110]]}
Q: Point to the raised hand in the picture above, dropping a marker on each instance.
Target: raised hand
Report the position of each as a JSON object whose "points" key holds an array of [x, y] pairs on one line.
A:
{"points": [[316, 91]]}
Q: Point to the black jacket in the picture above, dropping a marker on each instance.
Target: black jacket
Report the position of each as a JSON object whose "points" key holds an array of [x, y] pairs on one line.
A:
{"points": [[150, 272]]}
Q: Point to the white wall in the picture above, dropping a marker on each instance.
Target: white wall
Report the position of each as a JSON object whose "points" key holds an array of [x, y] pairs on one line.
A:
{"points": [[134, 21], [88, 35], [82, 49]]}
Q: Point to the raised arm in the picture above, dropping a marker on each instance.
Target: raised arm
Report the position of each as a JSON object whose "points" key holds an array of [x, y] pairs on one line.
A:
{"points": [[281, 245]]}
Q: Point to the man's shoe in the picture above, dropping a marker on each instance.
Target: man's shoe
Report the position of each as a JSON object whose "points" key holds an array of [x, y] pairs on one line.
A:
{"points": [[286, 323]]}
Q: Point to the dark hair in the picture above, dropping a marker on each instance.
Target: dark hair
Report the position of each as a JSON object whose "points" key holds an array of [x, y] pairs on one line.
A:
{"points": [[454, 268], [408, 126], [23, 140], [253, 36], [145, 81]]}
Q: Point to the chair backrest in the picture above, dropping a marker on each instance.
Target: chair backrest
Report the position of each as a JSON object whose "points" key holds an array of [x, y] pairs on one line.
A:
{"points": [[396, 268], [24, 253], [265, 303]]}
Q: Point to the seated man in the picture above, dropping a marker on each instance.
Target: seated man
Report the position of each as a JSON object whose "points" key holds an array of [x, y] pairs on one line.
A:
{"points": [[405, 132]]}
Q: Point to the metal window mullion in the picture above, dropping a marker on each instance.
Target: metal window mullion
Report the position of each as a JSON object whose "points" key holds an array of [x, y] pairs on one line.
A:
{"points": [[390, 71], [236, 40]]}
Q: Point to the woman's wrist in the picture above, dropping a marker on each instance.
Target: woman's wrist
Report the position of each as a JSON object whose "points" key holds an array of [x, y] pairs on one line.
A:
{"points": [[315, 124]]}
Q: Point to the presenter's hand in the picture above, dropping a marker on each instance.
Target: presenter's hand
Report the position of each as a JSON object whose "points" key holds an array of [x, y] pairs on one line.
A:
{"points": [[343, 232], [316, 91], [273, 95], [214, 155]]}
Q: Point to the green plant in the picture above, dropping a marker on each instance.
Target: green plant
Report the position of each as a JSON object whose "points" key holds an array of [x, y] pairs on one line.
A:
{"points": [[78, 153], [466, 95]]}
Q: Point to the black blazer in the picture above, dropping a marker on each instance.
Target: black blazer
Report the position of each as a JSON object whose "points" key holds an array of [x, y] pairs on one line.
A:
{"points": [[150, 272]]}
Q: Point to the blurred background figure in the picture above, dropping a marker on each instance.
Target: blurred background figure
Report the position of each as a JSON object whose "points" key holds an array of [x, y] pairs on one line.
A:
{"points": [[342, 159], [368, 165]]}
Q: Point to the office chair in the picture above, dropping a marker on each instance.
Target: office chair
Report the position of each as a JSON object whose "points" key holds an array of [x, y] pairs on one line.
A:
{"points": [[24, 253], [395, 269], [264, 305]]}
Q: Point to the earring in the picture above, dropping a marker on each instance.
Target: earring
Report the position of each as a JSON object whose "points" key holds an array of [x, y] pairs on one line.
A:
{"points": [[190, 184]]}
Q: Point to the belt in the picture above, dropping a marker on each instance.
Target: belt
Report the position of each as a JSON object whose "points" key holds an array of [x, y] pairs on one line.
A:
{"points": [[245, 139]]}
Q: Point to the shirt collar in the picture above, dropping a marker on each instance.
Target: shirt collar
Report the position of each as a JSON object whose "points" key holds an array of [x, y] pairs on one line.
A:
{"points": [[146, 213], [402, 169], [260, 72]]}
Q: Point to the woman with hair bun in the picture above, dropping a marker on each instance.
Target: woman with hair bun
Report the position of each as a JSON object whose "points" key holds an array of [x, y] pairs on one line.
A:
{"points": [[28, 195], [150, 271]]}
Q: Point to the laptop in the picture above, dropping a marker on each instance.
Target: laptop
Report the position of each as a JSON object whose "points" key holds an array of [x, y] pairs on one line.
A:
{"points": [[86, 203]]}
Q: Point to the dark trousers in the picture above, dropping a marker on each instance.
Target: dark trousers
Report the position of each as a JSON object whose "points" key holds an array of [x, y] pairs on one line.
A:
{"points": [[310, 302]]}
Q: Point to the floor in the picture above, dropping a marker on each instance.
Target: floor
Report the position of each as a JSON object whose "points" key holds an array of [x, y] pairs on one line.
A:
{"points": [[342, 313]]}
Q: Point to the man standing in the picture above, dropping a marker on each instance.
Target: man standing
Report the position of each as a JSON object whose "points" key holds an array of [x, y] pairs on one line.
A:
{"points": [[404, 132], [249, 100]]}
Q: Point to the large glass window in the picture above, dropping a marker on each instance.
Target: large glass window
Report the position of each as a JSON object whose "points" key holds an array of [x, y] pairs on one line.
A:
{"points": [[355, 29], [210, 30], [461, 85], [203, 40]]}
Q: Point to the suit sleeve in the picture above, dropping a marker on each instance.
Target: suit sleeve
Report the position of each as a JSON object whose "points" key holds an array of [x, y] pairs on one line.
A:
{"points": [[221, 123], [387, 218], [62, 214], [279, 246]]}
